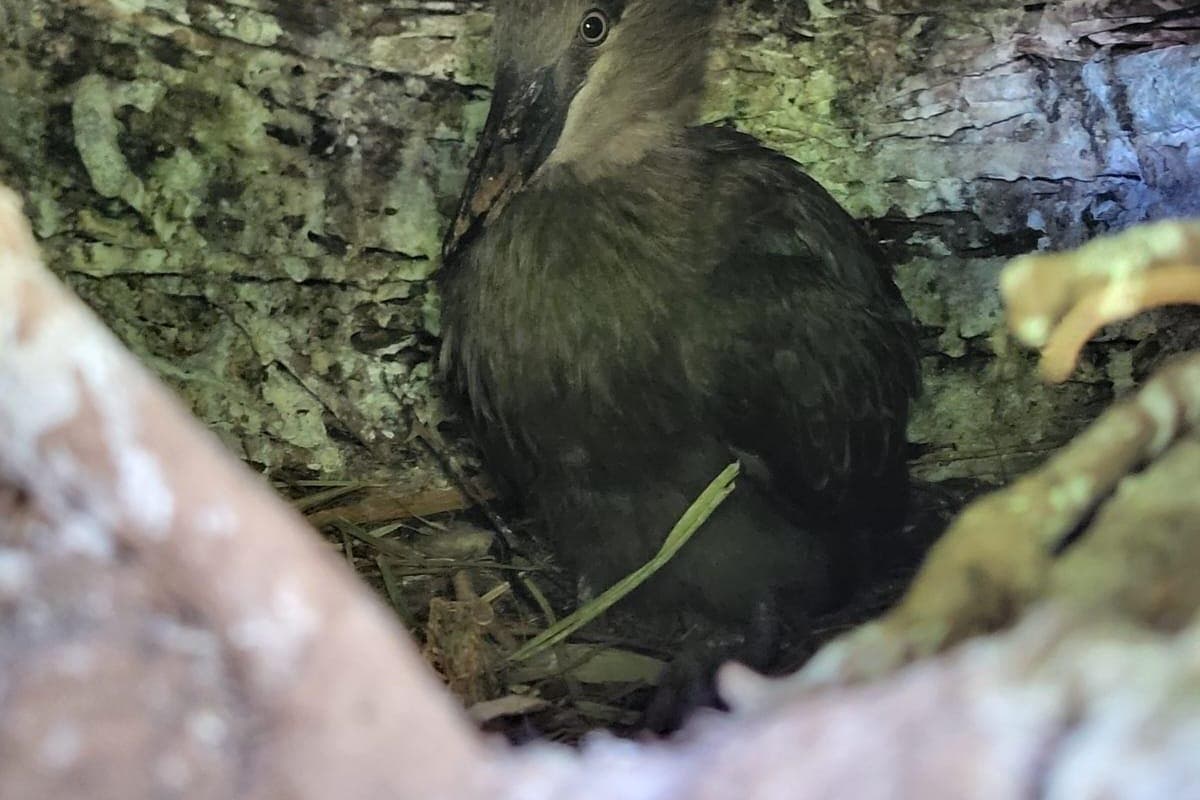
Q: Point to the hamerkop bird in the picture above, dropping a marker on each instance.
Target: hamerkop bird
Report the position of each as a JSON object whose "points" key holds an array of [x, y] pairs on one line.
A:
{"points": [[633, 300]]}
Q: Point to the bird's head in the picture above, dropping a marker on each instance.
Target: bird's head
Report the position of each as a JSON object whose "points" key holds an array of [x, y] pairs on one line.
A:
{"points": [[584, 85]]}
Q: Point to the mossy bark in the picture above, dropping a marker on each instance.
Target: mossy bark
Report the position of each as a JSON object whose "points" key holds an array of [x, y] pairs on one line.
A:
{"points": [[251, 192]]}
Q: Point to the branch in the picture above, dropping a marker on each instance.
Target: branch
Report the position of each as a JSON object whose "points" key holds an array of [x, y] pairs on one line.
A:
{"points": [[1057, 302]]}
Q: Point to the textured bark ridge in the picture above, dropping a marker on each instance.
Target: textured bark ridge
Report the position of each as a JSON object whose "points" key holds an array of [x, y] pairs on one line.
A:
{"points": [[250, 197], [251, 193], [971, 132]]}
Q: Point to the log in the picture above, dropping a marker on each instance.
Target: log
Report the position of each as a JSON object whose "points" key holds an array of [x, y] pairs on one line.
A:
{"points": [[168, 627]]}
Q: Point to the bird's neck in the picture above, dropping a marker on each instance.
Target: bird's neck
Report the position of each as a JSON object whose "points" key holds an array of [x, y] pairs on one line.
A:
{"points": [[631, 216], [595, 154]]}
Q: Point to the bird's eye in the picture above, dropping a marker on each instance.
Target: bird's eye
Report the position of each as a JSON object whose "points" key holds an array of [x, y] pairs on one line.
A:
{"points": [[594, 28]]}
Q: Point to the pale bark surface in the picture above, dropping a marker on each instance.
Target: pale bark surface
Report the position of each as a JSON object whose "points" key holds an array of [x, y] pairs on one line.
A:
{"points": [[251, 193], [169, 629]]}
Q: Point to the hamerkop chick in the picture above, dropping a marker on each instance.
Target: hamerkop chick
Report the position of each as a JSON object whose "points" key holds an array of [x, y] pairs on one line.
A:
{"points": [[633, 300]]}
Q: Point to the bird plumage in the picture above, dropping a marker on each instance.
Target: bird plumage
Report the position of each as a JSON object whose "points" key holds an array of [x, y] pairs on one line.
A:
{"points": [[625, 318]]}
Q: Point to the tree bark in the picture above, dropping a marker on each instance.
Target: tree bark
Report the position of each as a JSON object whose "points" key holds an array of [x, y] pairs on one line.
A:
{"points": [[250, 193]]}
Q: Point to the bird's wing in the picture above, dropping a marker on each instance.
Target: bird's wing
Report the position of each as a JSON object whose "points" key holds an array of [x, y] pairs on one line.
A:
{"points": [[816, 384], [815, 364]]}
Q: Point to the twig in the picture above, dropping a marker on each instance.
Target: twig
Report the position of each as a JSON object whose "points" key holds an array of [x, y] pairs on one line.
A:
{"points": [[392, 586], [405, 556], [574, 690], [303, 504], [1057, 301], [1163, 286], [384, 506]]}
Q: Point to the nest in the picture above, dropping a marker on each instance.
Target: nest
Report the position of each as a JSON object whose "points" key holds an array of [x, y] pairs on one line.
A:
{"points": [[498, 620]]}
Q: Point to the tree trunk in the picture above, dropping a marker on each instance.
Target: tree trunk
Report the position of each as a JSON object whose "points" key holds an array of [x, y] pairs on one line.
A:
{"points": [[251, 192], [971, 132]]}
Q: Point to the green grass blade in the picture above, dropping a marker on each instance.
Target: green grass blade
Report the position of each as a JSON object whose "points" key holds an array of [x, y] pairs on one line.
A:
{"points": [[696, 515]]}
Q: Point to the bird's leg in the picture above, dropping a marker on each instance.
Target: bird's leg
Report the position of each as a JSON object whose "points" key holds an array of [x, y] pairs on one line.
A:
{"points": [[437, 446], [688, 683]]}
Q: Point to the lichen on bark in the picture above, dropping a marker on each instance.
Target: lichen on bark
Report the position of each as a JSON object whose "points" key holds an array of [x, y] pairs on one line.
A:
{"points": [[252, 194]]}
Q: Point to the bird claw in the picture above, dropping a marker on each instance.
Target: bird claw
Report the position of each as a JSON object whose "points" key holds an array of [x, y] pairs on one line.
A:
{"points": [[689, 685]]}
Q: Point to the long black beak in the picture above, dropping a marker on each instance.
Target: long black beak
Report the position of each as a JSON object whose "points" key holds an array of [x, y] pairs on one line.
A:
{"points": [[522, 129]]}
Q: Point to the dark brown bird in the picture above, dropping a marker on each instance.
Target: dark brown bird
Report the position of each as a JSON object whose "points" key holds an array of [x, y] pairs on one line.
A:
{"points": [[631, 301]]}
